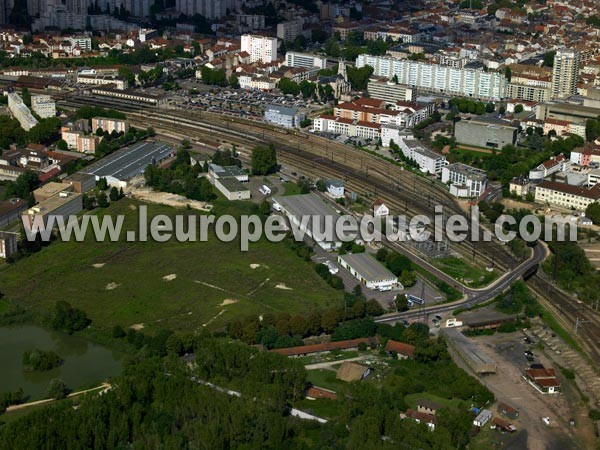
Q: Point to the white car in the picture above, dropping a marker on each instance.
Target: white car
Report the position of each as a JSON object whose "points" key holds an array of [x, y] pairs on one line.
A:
{"points": [[546, 420]]}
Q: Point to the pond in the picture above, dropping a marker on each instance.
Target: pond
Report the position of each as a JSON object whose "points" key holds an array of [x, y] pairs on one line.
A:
{"points": [[84, 363]]}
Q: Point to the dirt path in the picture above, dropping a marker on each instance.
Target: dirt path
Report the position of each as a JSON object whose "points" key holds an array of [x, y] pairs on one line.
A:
{"points": [[104, 386], [329, 364]]}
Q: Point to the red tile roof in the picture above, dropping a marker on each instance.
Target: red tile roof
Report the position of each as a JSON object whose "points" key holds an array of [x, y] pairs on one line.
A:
{"points": [[317, 392], [400, 348], [323, 347]]}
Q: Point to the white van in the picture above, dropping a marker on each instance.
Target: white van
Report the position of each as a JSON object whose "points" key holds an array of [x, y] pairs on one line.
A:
{"points": [[265, 190]]}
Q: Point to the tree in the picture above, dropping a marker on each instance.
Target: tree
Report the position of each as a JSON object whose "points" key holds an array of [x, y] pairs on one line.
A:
{"points": [[359, 77], [288, 86], [519, 108], [593, 212], [62, 145], [401, 303], [114, 194], [102, 200], [68, 319], [234, 81], [57, 389], [264, 160]]}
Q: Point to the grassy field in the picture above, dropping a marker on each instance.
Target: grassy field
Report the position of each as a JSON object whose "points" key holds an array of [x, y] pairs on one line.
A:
{"points": [[210, 282], [461, 270]]}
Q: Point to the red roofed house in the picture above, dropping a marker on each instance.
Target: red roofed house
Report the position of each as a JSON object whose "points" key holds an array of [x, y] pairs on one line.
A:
{"points": [[402, 350], [544, 380], [325, 347], [420, 417]]}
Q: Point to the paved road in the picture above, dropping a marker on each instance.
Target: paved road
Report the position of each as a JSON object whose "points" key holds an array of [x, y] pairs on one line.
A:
{"points": [[476, 296]]}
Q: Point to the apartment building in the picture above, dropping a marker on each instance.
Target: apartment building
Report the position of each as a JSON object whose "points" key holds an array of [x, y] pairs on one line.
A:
{"points": [[464, 181], [391, 92], [565, 73], [586, 156], [290, 30], [428, 77], [43, 105], [103, 80], [110, 125], [210, 9], [305, 60], [20, 111], [346, 127], [553, 165], [427, 160], [566, 196], [260, 48], [284, 116]]}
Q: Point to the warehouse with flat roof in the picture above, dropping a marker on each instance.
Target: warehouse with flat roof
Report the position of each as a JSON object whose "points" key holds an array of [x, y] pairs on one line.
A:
{"points": [[478, 361], [317, 212], [121, 166], [370, 272]]}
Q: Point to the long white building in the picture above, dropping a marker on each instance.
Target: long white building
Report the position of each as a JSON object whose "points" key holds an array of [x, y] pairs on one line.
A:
{"points": [[306, 60], [427, 160], [21, 112], [429, 77], [464, 181], [260, 48], [43, 105]]}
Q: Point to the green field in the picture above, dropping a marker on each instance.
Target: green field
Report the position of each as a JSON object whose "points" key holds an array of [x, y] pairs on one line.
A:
{"points": [[214, 280], [461, 270]]}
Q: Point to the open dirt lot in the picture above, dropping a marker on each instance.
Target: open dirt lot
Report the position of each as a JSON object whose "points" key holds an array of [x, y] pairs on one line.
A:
{"points": [[508, 386]]}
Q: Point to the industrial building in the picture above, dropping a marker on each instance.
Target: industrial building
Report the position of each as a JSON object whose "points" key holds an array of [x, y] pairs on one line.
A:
{"points": [[486, 132], [370, 272], [216, 172], [232, 189], [478, 361], [121, 166], [63, 204], [320, 216], [284, 116], [463, 180]]}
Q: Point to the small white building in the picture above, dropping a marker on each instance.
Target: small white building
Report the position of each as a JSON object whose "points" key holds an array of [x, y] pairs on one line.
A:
{"points": [[379, 209], [464, 181], [232, 189], [370, 272], [484, 416], [216, 172], [335, 188]]}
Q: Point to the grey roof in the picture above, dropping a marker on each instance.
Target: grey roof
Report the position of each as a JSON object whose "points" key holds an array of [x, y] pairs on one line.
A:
{"points": [[334, 183], [367, 266], [306, 205], [471, 172], [283, 110], [129, 162], [227, 171], [233, 184], [487, 120], [421, 149]]}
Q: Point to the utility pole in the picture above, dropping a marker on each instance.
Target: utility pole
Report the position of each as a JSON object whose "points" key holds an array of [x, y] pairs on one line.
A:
{"points": [[578, 322]]}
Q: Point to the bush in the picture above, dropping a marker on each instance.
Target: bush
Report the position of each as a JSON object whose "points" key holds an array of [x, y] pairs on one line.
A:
{"points": [[57, 389], [594, 414], [40, 360]]}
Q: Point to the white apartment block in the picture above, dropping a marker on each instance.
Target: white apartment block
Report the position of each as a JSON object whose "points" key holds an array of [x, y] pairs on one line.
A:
{"points": [[305, 60], [83, 42], [21, 112], [346, 127], [565, 73], [565, 195], [256, 82], [43, 105], [103, 80], [110, 125], [391, 92], [464, 181], [427, 160], [435, 78], [260, 48]]}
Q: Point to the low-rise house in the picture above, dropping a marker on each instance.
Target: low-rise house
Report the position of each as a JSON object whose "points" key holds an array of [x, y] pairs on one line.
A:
{"points": [[508, 410], [427, 406], [420, 417], [352, 371], [484, 416], [314, 393], [379, 208], [400, 349], [335, 188], [10, 210], [503, 425], [544, 380]]}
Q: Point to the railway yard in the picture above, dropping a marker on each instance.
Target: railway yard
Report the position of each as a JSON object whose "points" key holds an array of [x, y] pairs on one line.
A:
{"points": [[371, 177]]}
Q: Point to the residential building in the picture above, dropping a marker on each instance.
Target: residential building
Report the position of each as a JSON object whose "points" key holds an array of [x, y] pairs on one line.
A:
{"points": [[486, 132], [586, 156], [508, 410], [562, 127], [250, 22], [347, 127], [464, 181], [519, 186], [427, 160], [8, 244], [10, 210], [566, 196], [305, 60], [260, 48], [502, 425], [103, 80], [369, 272], [428, 77], [484, 416], [428, 406], [20, 111], [420, 417], [335, 188], [379, 209], [544, 380], [284, 116], [82, 41], [43, 105], [555, 164], [290, 30], [391, 92], [565, 73], [400, 349], [210, 9], [110, 125]]}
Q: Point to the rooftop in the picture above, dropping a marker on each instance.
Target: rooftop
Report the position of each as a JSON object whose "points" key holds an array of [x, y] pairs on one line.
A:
{"points": [[367, 266], [306, 205]]}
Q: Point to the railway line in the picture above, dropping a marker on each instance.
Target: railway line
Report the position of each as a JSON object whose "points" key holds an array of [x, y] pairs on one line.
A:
{"points": [[363, 173]]}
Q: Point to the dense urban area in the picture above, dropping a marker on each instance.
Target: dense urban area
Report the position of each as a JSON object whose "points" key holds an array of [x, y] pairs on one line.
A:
{"points": [[284, 109]]}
